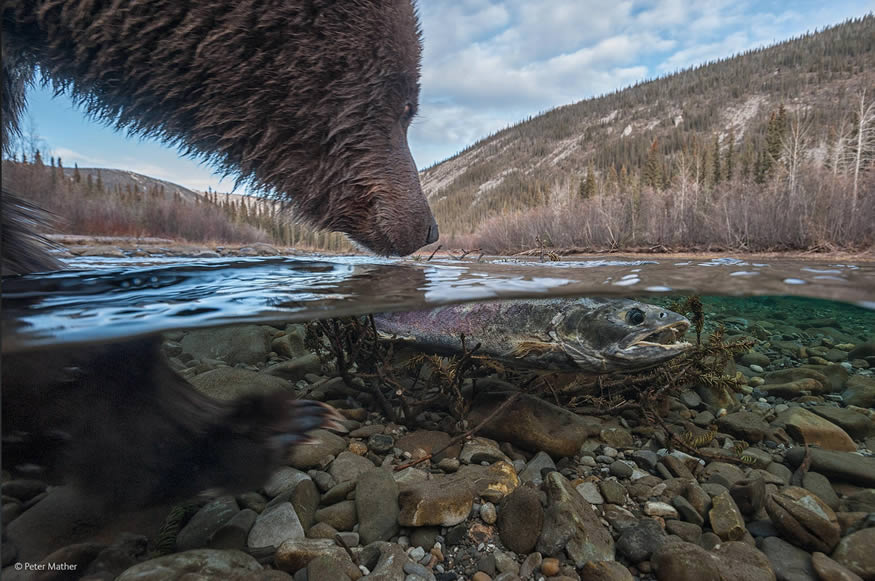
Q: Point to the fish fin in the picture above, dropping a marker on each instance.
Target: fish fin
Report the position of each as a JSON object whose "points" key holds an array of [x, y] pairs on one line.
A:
{"points": [[526, 348]]}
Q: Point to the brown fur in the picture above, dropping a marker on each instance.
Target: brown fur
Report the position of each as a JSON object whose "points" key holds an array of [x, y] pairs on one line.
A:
{"points": [[307, 100]]}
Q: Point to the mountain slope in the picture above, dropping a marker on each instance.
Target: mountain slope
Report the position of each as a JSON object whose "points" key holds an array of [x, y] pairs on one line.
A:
{"points": [[544, 160]]}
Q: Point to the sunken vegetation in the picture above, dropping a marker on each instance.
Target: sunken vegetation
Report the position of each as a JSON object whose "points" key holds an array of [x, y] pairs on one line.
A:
{"points": [[772, 149]]}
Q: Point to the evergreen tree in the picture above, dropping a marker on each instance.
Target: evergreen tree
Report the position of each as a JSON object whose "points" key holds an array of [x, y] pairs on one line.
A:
{"points": [[77, 177], [775, 132], [716, 169], [653, 168]]}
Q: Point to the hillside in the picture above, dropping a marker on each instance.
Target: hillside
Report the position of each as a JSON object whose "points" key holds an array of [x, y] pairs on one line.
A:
{"points": [[124, 180], [708, 125]]}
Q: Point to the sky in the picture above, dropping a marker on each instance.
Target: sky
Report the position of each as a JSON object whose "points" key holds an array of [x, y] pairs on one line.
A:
{"points": [[490, 63]]}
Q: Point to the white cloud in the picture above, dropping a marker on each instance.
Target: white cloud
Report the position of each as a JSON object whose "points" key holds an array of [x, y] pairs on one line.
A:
{"points": [[70, 157]]}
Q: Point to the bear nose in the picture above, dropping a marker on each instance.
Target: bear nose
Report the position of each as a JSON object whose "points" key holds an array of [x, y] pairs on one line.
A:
{"points": [[432, 234]]}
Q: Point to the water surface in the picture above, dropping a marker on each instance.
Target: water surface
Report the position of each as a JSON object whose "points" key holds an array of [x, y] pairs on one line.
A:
{"points": [[101, 300]]}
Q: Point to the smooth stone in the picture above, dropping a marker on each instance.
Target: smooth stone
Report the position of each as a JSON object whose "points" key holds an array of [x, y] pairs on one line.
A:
{"points": [[645, 459], [233, 534], [618, 438], [296, 369], [423, 442], [793, 389], [230, 383], [249, 344], [687, 511], [376, 501], [571, 524], [612, 491], [638, 542], [284, 479], [726, 520], [342, 515], [477, 450], [789, 563], [746, 426], [390, 566], [447, 500], [321, 445], [856, 424], [349, 466], [686, 530], [830, 570], [855, 552], [201, 564], [275, 526], [806, 427], [663, 509], [804, 519], [295, 554], [821, 487], [729, 473], [590, 492], [748, 494], [730, 561], [845, 466], [197, 532], [533, 470], [605, 571], [621, 469], [328, 567], [532, 424], [521, 520], [860, 391]]}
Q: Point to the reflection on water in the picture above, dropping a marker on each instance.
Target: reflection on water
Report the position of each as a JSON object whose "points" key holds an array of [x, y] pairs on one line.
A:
{"points": [[103, 300]]}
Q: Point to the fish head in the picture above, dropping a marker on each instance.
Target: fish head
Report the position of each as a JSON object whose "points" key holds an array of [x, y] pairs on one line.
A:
{"points": [[621, 335]]}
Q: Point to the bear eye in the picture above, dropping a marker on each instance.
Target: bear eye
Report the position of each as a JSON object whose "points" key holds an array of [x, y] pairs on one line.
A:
{"points": [[409, 112]]}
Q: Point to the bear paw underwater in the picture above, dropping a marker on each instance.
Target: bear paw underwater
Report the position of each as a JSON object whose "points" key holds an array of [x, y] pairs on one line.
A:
{"points": [[121, 425]]}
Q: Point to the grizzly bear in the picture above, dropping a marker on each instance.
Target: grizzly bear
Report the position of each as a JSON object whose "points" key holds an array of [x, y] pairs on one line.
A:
{"points": [[309, 101]]}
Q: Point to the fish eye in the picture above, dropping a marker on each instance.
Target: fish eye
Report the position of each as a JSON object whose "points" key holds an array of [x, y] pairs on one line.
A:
{"points": [[662, 314], [635, 316]]}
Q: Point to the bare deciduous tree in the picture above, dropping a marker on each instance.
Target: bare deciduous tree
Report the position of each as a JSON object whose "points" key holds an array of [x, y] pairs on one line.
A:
{"points": [[865, 142]]}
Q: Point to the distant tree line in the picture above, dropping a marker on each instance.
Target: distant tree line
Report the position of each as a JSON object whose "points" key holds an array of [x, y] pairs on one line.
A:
{"points": [[82, 203]]}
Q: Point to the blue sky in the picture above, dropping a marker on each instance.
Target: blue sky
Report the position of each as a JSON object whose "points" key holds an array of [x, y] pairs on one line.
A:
{"points": [[490, 63]]}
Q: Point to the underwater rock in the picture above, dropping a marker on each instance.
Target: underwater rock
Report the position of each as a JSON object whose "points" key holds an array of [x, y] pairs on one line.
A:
{"points": [[830, 570], [275, 526], [860, 391], [853, 468], [804, 519], [808, 428], [207, 564], [789, 563], [520, 520], [229, 383], [533, 424], [571, 524], [248, 344], [321, 444], [855, 552], [376, 500]]}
